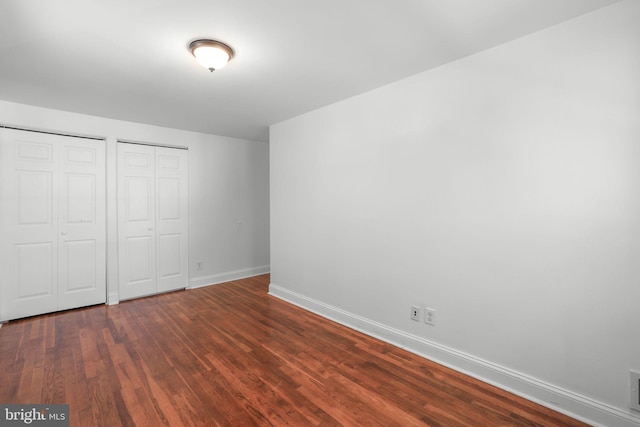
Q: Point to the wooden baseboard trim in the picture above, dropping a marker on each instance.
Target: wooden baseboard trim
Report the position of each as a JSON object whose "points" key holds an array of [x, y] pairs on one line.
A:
{"points": [[549, 395]]}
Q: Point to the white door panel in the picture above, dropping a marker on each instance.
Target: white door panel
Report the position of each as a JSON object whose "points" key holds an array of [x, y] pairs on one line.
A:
{"points": [[79, 259], [33, 289], [34, 271], [80, 203], [28, 258], [30, 150], [136, 222], [142, 159], [34, 197], [141, 249], [169, 255], [53, 193], [81, 156], [168, 199], [138, 199], [172, 220], [82, 241]]}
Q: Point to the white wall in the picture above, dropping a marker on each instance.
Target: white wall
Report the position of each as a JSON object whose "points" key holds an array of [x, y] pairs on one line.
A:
{"points": [[503, 190], [228, 190]]}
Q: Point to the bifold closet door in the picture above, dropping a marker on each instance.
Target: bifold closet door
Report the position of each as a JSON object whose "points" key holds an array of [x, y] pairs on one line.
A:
{"points": [[53, 246], [172, 222], [152, 219]]}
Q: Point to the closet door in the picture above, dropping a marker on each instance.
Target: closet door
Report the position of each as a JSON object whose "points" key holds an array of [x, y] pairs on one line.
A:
{"points": [[52, 253], [171, 218], [136, 220], [152, 219], [82, 220]]}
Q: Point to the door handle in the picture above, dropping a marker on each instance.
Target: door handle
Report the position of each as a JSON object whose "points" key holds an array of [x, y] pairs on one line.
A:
{"points": [[64, 233], [149, 228]]}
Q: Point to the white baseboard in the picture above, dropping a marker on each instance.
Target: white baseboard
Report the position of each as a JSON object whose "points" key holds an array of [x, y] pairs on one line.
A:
{"points": [[549, 395], [198, 282]]}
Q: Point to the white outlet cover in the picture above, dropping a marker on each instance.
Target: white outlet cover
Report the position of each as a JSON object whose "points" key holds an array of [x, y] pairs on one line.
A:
{"points": [[430, 316], [415, 309]]}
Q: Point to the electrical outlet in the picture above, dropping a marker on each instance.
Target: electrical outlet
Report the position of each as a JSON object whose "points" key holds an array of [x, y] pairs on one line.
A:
{"points": [[634, 397], [199, 265], [415, 313], [430, 316]]}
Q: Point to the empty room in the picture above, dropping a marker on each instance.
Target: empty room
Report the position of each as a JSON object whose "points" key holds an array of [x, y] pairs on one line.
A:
{"points": [[356, 213]]}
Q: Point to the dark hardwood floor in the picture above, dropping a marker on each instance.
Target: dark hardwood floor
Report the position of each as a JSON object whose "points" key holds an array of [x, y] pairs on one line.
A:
{"points": [[232, 355]]}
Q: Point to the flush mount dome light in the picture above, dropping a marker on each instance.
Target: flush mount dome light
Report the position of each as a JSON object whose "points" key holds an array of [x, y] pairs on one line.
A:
{"points": [[211, 54]]}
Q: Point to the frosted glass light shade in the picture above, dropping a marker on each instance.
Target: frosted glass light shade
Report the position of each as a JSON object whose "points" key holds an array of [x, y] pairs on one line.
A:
{"points": [[211, 54]]}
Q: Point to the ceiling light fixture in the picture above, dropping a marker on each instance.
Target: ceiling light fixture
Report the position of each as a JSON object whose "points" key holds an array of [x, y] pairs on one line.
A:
{"points": [[211, 54]]}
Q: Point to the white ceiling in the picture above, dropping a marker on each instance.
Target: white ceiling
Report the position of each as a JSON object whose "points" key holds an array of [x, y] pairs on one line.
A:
{"points": [[128, 59]]}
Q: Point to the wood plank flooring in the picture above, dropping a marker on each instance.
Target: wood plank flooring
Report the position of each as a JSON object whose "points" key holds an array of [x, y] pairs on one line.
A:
{"points": [[231, 355]]}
